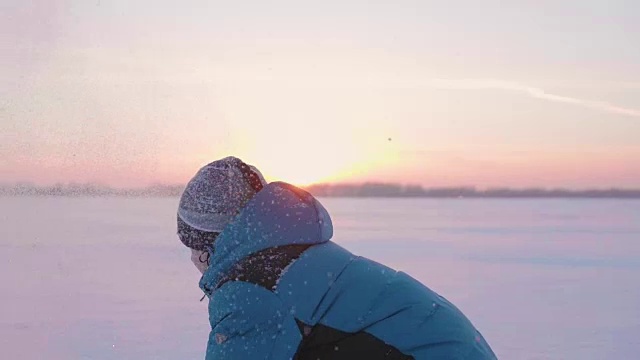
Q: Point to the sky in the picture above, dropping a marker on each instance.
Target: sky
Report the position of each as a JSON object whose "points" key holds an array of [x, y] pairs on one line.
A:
{"points": [[438, 93]]}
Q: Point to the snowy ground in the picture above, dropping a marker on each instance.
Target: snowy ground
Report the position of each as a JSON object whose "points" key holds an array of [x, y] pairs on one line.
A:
{"points": [[108, 279]]}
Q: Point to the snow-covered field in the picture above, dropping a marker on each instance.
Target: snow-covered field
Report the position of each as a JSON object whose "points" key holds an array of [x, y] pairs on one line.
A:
{"points": [[106, 278]]}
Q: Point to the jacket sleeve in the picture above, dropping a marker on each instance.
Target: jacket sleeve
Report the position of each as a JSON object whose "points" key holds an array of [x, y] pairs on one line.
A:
{"points": [[422, 323], [250, 322]]}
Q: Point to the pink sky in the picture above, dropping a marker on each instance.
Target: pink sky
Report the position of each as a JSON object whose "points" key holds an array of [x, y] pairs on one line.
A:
{"points": [[131, 94]]}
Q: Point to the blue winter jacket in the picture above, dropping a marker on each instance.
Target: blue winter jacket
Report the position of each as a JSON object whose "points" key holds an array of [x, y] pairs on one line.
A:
{"points": [[279, 289]]}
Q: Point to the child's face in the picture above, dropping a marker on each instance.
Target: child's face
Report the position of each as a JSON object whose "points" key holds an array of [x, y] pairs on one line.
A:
{"points": [[199, 259]]}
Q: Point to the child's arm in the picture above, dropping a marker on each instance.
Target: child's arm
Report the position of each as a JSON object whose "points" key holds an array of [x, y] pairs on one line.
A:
{"points": [[250, 322]]}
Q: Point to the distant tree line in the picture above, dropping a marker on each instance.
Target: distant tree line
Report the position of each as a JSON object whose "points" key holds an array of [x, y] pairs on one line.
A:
{"points": [[397, 190], [27, 189], [328, 190]]}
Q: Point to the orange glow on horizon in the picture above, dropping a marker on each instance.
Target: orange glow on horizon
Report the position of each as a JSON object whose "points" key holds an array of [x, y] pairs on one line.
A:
{"points": [[351, 162], [305, 169], [296, 160]]}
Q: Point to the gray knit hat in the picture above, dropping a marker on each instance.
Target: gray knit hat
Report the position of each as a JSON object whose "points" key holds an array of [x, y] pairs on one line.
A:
{"points": [[217, 193]]}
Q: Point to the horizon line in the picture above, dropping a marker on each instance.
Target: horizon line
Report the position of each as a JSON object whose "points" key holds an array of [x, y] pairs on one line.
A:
{"points": [[344, 190], [148, 186]]}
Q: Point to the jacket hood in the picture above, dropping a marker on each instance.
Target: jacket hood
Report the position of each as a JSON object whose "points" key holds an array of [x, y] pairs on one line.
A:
{"points": [[280, 214]]}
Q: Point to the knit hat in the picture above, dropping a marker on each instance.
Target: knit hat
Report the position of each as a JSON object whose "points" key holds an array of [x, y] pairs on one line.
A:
{"points": [[216, 194]]}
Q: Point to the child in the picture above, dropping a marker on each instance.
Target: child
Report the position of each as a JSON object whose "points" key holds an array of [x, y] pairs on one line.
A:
{"points": [[278, 287]]}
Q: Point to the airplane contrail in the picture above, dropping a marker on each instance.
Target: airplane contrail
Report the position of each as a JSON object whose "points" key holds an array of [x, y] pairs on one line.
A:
{"points": [[473, 84]]}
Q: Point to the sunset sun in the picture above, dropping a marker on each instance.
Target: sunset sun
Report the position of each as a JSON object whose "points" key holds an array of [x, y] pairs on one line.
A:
{"points": [[295, 162]]}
